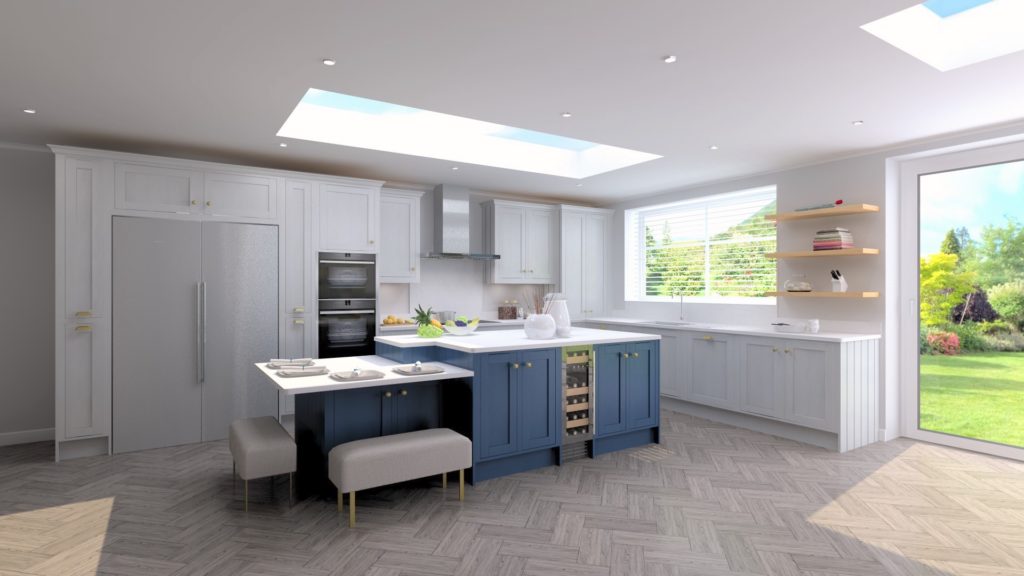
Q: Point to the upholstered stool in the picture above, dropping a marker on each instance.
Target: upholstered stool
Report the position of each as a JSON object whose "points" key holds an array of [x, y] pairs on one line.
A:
{"points": [[261, 447], [374, 462]]}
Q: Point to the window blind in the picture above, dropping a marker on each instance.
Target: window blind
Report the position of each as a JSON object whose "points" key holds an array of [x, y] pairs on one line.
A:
{"points": [[712, 246]]}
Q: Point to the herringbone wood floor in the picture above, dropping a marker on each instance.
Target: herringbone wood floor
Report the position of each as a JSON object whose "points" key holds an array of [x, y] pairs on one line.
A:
{"points": [[710, 500]]}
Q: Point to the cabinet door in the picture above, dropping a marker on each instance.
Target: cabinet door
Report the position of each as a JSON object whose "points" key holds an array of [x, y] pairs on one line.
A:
{"points": [[594, 252], [671, 379], [298, 249], [642, 385], [708, 370], [497, 405], [157, 189], [572, 270], [86, 383], [761, 374], [399, 239], [355, 414], [509, 225], [240, 195], [84, 251], [541, 232], [539, 401], [348, 218], [811, 388], [610, 395], [413, 407]]}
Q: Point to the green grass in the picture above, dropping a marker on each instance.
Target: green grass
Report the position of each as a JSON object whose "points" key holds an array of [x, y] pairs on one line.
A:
{"points": [[978, 395]]}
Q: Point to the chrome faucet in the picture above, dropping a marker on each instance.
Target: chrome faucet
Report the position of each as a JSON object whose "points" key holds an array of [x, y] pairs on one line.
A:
{"points": [[682, 309]]}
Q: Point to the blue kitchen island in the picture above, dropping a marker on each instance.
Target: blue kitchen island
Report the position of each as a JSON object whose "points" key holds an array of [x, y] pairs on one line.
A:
{"points": [[505, 392]]}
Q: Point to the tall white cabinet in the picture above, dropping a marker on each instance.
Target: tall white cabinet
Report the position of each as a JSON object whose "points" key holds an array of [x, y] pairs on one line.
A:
{"points": [[311, 213], [399, 259], [584, 250]]}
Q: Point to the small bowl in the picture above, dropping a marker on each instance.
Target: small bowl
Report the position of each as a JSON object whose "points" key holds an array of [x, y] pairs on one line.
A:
{"points": [[466, 330]]}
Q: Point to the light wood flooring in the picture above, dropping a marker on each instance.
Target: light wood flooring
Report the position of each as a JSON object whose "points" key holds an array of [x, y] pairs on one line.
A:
{"points": [[710, 500]]}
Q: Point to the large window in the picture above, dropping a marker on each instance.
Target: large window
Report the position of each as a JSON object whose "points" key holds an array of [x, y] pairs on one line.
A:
{"points": [[712, 247]]}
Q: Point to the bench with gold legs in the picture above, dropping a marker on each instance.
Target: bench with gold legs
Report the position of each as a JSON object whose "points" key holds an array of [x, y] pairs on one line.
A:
{"points": [[374, 462]]}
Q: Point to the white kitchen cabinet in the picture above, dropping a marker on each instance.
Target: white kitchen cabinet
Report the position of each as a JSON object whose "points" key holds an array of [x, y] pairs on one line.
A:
{"points": [[240, 195], [671, 381], [525, 236], [762, 376], [347, 218], [399, 260], [812, 387], [82, 359], [707, 369], [158, 188], [584, 247], [142, 187], [298, 311]]}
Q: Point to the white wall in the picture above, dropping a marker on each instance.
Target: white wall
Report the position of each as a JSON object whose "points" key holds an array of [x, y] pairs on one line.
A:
{"points": [[26, 294]]}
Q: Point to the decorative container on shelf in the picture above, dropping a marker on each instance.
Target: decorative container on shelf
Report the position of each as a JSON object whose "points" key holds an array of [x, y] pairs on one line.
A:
{"points": [[540, 326], [559, 310], [798, 283]]}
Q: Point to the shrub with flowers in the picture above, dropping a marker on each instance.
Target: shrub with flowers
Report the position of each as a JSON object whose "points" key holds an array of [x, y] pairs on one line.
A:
{"points": [[946, 343]]}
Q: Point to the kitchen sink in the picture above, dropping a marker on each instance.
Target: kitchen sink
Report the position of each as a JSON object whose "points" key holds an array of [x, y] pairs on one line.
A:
{"points": [[673, 322]]}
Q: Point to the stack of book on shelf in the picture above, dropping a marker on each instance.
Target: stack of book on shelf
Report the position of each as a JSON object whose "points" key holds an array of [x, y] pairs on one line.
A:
{"points": [[833, 239]]}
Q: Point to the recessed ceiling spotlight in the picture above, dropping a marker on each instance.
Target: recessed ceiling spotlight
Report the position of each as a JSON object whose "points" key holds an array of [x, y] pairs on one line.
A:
{"points": [[713, 147], [329, 62], [566, 114], [857, 122], [455, 167], [283, 144], [669, 59], [29, 110]]}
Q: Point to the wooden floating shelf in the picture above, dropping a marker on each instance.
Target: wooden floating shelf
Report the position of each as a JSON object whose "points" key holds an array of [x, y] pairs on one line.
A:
{"points": [[841, 210], [850, 295], [825, 253]]}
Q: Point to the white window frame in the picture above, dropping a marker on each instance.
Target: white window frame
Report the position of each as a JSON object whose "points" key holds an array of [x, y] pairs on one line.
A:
{"points": [[635, 262]]}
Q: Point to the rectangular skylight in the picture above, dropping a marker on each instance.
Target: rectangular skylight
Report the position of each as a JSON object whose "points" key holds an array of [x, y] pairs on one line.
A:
{"points": [[345, 120], [948, 34]]}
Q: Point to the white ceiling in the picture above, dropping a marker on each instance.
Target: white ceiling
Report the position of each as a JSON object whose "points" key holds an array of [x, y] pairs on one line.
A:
{"points": [[774, 84]]}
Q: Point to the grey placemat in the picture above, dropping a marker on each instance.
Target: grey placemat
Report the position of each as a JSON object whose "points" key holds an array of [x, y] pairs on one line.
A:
{"points": [[349, 376], [411, 370], [302, 372]]}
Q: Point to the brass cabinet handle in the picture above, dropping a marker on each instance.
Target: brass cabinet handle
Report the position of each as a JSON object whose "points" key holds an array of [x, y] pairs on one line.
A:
{"points": [[83, 314], [299, 321], [636, 354], [515, 365], [404, 392], [209, 202], [371, 241], [387, 394], [195, 202], [83, 328], [775, 349], [529, 364], [787, 350], [625, 354], [300, 309], [413, 269], [708, 338]]}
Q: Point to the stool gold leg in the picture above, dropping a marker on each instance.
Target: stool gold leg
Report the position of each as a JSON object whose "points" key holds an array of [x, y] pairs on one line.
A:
{"points": [[246, 495], [341, 500], [444, 481], [462, 484], [352, 509]]}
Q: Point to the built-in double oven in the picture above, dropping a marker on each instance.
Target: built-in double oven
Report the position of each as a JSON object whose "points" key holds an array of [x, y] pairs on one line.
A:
{"points": [[347, 294]]}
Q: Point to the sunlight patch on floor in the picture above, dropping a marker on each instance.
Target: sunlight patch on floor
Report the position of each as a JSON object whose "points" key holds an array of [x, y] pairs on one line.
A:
{"points": [[62, 540]]}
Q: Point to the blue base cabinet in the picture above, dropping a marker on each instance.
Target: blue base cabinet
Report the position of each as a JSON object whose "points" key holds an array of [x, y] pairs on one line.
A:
{"points": [[517, 407], [627, 392]]}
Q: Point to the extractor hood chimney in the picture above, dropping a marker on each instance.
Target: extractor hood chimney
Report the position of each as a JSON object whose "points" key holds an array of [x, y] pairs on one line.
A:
{"points": [[451, 225]]}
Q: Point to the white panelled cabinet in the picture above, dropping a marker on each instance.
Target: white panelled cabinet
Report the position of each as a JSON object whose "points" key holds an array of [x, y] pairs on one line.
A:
{"points": [[172, 189], [83, 365], [584, 248], [347, 217], [526, 237], [707, 369], [399, 260]]}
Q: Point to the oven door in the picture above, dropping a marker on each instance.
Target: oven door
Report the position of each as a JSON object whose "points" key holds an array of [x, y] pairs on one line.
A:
{"points": [[347, 331], [346, 276]]}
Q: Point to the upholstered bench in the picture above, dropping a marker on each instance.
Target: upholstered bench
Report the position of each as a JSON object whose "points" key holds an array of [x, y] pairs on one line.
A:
{"points": [[374, 462], [261, 447]]}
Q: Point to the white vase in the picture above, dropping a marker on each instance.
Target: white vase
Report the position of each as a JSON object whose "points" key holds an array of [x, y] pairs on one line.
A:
{"points": [[559, 310], [539, 327]]}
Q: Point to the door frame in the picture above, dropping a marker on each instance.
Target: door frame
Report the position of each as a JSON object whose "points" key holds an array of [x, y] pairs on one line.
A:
{"points": [[909, 172]]}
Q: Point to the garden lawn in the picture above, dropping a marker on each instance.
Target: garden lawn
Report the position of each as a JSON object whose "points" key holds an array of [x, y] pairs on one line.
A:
{"points": [[977, 395]]}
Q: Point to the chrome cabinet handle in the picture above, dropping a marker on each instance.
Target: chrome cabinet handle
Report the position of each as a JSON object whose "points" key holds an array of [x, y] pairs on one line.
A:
{"points": [[404, 392], [203, 286], [387, 394]]}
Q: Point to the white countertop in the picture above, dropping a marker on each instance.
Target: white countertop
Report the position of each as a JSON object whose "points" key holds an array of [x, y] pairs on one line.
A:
{"points": [[491, 324], [505, 340], [325, 383], [766, 331]]}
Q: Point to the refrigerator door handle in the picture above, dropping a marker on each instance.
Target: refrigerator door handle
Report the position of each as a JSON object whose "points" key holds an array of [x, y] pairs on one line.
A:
{"points": [[203, 363], [199, 333]]}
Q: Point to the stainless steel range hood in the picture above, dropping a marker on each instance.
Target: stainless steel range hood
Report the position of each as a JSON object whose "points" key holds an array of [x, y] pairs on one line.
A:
{"points": [[451, 225]]}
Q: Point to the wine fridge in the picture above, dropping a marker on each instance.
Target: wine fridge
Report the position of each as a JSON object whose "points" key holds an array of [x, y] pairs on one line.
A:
{"points": [[577, 399]]}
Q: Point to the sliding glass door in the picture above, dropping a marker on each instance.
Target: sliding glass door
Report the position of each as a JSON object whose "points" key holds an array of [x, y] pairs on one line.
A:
{"points": [[964, 383]]}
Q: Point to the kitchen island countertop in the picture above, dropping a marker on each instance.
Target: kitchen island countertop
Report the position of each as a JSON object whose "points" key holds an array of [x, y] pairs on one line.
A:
{"points": [[506, 340]]}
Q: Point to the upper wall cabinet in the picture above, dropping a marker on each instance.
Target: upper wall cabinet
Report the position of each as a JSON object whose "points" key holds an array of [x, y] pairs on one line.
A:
{"points": [[399, 260], [584, 242], [525, 236], [347, 218], [146, 188]]}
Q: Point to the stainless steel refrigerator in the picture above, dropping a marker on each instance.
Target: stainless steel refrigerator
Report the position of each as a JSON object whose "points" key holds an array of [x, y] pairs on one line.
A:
{"points": [[194, 306]]}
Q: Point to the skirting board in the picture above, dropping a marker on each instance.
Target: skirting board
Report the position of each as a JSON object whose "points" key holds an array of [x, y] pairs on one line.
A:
{"points": [[25, 436], [825, 440]]}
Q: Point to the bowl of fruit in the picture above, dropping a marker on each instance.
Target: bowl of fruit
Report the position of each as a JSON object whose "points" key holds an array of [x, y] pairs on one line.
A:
{"points": [[427, 325], [392, 320], [461, 326]]}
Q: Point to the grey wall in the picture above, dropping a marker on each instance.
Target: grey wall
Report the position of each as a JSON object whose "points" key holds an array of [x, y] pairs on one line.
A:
{"points": [[26, 289]]}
